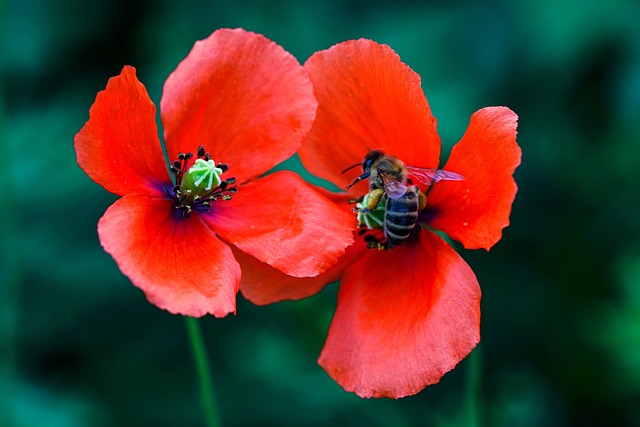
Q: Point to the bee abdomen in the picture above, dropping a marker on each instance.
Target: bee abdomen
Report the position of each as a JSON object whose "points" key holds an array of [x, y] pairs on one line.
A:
{"points": [[400, 217]]}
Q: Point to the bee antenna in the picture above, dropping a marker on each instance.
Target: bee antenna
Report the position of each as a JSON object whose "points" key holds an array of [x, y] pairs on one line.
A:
{"points": [[351, 167], [358, 179]]}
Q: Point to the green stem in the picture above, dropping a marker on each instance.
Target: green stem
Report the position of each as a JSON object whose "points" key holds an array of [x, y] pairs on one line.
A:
{"points": [[474, 382], [207, 395]]}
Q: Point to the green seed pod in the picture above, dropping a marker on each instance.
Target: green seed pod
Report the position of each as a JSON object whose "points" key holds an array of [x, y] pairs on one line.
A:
{"points": [[371, 218], [201, 178]]}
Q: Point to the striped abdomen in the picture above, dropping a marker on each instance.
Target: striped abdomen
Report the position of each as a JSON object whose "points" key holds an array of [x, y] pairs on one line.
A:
{"points": [[400, 217]]}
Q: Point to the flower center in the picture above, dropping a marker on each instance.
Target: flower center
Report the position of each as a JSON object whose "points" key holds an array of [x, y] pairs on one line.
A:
{"points": [[370, 210], [200, 183]]}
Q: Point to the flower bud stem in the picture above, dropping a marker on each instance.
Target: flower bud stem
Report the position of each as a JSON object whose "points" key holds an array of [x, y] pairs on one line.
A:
{"points": [[207, 395]]}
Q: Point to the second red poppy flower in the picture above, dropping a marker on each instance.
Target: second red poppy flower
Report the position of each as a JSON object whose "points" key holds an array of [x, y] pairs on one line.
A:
{"points": [[235, 107]]}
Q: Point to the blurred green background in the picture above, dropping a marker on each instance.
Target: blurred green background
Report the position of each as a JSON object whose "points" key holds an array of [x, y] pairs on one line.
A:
{"points": [[80, 346]]}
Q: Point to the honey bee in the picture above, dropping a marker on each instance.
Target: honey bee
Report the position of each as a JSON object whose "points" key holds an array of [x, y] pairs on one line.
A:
{"points": [[390, 191]]}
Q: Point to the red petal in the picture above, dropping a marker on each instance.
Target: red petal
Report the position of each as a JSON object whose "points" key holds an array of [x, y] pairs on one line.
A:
{"points": [[368, 99], [262, 284], [179, 263], [405, 317], [283, 221], [475, 211], [241, 96], [119, 147]]}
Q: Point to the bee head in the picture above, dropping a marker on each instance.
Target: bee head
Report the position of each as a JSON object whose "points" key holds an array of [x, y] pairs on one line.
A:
{"points": [[370, 158]]}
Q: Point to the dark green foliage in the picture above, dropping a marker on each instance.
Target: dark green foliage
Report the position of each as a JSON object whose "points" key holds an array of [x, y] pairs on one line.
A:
{"points": [[80, 346]]}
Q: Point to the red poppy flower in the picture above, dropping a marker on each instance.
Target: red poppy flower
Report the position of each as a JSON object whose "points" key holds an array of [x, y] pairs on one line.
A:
{"points": [[249, 103], [407, 315]]}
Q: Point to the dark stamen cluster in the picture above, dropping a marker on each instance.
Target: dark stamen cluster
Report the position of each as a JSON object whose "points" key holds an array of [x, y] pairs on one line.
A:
{"points": [[188, 202], [374, 238]]}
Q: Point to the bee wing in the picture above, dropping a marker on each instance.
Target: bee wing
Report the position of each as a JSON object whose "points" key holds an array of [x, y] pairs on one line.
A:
{"points": [[394, 188], [430, 176]]}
